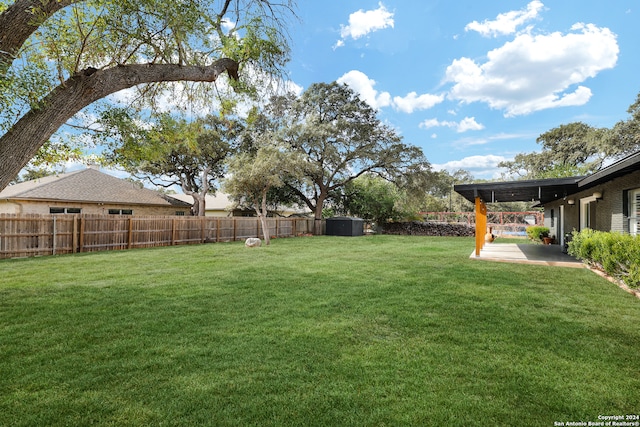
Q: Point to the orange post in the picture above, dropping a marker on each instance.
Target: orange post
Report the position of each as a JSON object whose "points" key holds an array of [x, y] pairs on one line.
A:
{"points": [[481, 224]]}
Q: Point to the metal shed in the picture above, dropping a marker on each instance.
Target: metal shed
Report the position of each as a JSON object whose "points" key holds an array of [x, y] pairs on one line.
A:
{"points": [[345, 226]]}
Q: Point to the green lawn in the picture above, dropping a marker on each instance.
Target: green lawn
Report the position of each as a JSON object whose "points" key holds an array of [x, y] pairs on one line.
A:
{"points": [[326, 331]]}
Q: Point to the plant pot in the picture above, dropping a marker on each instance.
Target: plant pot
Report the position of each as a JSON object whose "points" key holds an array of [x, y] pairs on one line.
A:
{"points": [[547, 240]]}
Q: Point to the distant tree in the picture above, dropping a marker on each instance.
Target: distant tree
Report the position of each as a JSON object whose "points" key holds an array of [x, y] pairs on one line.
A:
{"points": [[340, 138], [372, 198], [57, 57], [252, 175], [576, 149], [440, 196], [626, 133], [173, 151], [568, 150]]}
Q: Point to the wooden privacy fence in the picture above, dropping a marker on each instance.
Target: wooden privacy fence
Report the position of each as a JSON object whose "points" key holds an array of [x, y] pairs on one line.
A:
{"points": [[34, 235]]}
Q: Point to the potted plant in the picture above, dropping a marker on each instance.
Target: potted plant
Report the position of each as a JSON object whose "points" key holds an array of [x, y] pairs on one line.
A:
{"points": [[538, 232]]}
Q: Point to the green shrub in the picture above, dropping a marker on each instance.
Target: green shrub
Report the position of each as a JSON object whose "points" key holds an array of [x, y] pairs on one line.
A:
{"points": [[616, 254], [537, 232]]}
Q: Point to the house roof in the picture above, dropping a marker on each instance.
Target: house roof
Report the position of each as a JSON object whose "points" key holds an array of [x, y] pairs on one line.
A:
{"points": [[620, 168], [87, 186], [546, 190]]}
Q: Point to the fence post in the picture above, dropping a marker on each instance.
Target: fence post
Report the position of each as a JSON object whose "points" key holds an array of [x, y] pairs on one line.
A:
{"points": [[234, 229], [130, 233], [202, 231], [217, 230], [74, 236], [81, 239], [53, 243]]}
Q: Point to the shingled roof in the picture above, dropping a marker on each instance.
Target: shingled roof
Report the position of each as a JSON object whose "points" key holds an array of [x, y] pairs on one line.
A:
{"points": [[87, 186]]}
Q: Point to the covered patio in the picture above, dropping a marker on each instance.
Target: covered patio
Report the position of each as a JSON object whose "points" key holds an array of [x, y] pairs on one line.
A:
{"points": [[524, 253], [540, 191]]}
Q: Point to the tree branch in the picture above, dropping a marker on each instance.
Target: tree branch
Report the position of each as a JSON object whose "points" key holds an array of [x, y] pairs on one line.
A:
{"points": [[19, 21], [24, 139]]}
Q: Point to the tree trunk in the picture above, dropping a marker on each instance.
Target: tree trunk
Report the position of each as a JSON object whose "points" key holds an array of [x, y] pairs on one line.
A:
{"points": [[263, 218], [198, 207], [23, 140], [19, 21], [317, 224]]}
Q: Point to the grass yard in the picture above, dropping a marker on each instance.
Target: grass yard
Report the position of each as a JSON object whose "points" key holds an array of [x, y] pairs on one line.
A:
{"points": [[320, 331]]}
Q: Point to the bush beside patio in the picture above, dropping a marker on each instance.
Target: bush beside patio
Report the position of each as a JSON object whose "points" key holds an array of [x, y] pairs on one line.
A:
{"points": [[616, 254]]}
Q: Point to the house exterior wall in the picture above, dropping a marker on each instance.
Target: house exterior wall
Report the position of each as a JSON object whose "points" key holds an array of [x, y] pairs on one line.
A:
{"points": [[9, 207], [607, 214], [42, 208]]}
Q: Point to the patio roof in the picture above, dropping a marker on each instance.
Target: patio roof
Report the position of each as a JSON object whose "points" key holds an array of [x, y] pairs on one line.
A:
{"points": [[546, 190], [537, 190]]}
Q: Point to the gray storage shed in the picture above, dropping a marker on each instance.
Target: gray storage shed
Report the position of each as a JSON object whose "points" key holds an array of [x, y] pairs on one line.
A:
{"points": [[344, 226]]}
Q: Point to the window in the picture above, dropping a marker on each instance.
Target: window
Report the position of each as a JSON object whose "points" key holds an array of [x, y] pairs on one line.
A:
{"points": [[634, 212], [120, 212], [65, 210], [179, 213], [587, 211]]}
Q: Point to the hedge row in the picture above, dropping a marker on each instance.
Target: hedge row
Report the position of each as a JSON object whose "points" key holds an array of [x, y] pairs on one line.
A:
{"points": [[616, 254]]}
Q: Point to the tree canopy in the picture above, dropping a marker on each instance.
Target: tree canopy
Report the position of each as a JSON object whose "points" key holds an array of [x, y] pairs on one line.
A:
{"points": [[173, 151], [576, 149], [253, 174], [340, 139], [59, 56]]}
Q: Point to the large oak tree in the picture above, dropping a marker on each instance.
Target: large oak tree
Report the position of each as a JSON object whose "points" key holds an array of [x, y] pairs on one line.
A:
{"points": [[59, 56], [340, 138]]}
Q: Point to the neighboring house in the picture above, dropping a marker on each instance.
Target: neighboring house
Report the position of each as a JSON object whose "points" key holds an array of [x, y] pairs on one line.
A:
{"points": [[87, 191], [220, 205], [608, 200]]}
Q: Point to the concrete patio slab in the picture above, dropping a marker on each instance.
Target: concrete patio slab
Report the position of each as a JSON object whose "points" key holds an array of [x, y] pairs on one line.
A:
{"points": [[527, 254]]}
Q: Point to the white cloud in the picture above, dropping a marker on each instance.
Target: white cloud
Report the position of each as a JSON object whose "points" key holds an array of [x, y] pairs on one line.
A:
{"points": [[412, 102], [466, 124], [364, 22], [363, 85], [506, 23], [533, 73], [479, 166], [469, 123]]}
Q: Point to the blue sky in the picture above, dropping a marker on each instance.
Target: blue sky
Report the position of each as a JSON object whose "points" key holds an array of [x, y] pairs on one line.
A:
{"points": [[473, 83]]}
